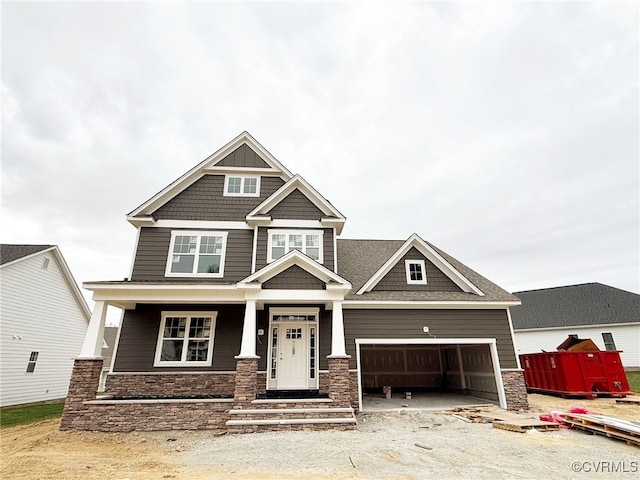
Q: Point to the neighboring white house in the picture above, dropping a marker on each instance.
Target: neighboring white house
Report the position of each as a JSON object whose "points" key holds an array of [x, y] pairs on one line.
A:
{"points": [[607, 315], [43, 321]]}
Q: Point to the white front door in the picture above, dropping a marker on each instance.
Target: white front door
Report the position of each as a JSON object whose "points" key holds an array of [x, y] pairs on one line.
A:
{"points": [[292, 356]]}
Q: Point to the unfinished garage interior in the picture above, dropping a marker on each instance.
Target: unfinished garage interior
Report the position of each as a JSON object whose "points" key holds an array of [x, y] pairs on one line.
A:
{"points": [[438, 369]]}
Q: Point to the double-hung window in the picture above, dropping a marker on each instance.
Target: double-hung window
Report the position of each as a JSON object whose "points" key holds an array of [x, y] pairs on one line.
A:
{"points": [[196, 254], [31, 364], [185, 338], [607, 338], [235, 186], [308, 242], [416, 272]]}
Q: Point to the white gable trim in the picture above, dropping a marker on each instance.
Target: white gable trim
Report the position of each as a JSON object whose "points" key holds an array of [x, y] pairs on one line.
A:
{"points": [[207, 165], [433, 256], [334, 217], [292, 258], [66, 272]]}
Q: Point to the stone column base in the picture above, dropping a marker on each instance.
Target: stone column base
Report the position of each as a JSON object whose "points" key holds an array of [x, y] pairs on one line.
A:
{"points": [[515, 389], [339, 385], [246, 380], [84, 383]]}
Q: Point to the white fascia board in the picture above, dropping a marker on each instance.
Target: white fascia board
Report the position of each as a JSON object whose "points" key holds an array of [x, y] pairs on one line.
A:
{"points": [[415, 241], [132, 295], [425, 341], [147, 221], [259, 221], [201, 224], [199, 171], [297, 182], [569, 327], [71, 282], [292, 258], [296, 296], [424, 305]]}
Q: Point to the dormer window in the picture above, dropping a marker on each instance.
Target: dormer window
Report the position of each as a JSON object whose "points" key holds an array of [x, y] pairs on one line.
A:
{"points": [[196, 254], [416, 272], [237, 186]]}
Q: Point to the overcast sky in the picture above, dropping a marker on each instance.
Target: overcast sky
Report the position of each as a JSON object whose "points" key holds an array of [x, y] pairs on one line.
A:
{"points": [[507, 134]]}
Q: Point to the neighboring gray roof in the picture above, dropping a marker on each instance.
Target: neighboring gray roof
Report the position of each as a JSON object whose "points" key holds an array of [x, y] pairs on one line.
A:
{"points": [[575, 305], [9, 253], [359, 260], [110, 334]]}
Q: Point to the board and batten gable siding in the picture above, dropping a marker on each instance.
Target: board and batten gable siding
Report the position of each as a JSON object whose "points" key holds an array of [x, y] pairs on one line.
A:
{"points": [[396, 278], [38, 306], [139, 336], [263, 243], [153, 251], [294, 278], [204, 200], [367, 323], [625, 337], [296, 206], [243, 156]]}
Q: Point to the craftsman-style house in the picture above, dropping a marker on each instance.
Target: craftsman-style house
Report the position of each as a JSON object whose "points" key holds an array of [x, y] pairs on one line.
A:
{"points": [[244, 310]]}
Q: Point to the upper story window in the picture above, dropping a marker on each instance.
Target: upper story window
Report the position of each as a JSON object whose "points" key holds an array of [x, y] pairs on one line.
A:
{"points": [[416, 272], [609, 344], [196, 254], [282, 242], [31, 364], [185, 338], [237, 186]]}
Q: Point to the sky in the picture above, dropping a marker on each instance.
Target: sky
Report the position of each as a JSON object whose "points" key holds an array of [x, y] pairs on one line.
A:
{"points": [[505, 133]]}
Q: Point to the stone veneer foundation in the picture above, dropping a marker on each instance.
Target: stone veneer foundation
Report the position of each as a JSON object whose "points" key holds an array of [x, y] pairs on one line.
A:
{"points": [[515, 390], [170, 385]]}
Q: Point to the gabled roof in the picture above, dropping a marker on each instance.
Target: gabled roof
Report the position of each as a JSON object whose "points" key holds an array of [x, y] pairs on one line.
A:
{"points": [[209, 165], [12, 254], [295, 257], [360, 260], [575, 305], [260, 214], [414, 241]]}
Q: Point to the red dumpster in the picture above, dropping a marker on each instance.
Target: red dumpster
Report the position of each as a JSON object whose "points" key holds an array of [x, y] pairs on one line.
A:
{"points": [[575, 373]]}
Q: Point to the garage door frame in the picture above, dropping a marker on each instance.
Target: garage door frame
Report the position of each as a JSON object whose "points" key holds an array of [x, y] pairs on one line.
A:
{"points": [[435, 341]]}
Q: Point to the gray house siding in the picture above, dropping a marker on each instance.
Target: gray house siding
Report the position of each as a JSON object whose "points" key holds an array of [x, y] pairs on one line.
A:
{"points": [[263, 242], [204, 200], [441, 323], [153, 250], [140, 329], [243, 156], [294, 278], [296, 206], [396, 278]]}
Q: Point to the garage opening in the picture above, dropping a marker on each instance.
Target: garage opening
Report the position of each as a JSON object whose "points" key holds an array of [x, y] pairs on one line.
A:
{"points": [[432, 374]]}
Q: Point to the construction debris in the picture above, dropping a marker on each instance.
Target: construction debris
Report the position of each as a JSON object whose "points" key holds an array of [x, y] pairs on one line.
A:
{"points": [[624, 430], [629, 400], [499, 418]]}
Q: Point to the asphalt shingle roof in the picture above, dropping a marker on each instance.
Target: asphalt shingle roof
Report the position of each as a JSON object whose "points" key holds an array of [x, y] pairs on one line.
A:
{"points": [[358, 260], [575, 305], [10, 252]]}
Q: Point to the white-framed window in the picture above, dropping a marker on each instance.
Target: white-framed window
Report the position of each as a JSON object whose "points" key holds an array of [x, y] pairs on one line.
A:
{"points": [[196, 254], [607, 338], [185, 338], [416, 272], [241, 186], [282, 242], [31, 364]]}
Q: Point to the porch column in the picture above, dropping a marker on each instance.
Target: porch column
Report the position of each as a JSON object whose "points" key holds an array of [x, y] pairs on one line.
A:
{"points": [[92, 346], [337, 331], [248, 344]]}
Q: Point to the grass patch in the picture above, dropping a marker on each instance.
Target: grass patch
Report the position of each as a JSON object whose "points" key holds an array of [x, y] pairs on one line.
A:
{"points": [[634, 380], [13, 416]]}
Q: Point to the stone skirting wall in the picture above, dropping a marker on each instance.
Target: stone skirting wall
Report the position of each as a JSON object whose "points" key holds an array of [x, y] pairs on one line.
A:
{"points": [[170, 385], [323, 386], [150, 415], [515, 390], [246, 384], [339, 381], [85, 378]]}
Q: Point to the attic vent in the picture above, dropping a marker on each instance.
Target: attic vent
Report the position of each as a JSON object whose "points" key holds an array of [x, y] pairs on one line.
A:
{"points": [[45, 264]]}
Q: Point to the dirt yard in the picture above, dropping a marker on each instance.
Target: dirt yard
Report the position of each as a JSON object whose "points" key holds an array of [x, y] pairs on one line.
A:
{"points": [[383, 447]]}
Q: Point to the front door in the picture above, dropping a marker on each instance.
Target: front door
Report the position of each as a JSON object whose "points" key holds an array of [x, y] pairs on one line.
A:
{"points": [[292, 351]]}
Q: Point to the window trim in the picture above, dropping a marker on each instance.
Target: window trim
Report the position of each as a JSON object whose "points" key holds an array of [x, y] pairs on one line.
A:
{"points": [[407, 264], [33, 360], [199, 234], [277, 231], [243, 179], [611, 341], [157, 362]]}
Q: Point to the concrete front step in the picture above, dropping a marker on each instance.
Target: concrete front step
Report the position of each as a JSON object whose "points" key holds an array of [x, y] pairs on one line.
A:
{"points": [[292, 403], [290, 421], [280, 411]]}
